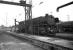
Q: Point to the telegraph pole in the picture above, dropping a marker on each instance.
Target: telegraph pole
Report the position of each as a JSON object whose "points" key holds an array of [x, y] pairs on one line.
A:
{"points": [[6, 19], [68, 17]]}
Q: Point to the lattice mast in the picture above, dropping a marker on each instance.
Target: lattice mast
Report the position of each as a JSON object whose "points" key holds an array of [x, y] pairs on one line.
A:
{"points": [[28, 13]]}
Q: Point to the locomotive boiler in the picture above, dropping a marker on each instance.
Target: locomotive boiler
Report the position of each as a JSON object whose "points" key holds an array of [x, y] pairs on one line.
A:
{"points": [[44, 25]]}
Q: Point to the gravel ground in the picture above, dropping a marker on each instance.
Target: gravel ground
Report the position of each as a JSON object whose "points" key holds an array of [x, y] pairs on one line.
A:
{"points": [[8, 42]]}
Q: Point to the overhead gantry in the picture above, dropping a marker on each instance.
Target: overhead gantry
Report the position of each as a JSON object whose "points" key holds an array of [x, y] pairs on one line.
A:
{"points": [[28, 10]]}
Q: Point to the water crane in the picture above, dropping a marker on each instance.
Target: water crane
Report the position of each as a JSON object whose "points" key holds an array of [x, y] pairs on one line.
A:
{"points": [[64, 6]]}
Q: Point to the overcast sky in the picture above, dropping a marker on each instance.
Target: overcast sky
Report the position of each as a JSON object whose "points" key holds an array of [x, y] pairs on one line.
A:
{"points": [[40, 7]]}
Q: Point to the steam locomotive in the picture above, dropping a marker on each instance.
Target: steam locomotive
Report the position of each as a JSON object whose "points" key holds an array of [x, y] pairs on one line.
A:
{"points": [[44, 25]]}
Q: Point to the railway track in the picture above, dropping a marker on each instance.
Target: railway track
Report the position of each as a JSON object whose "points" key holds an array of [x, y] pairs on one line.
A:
{"points": [[67, 36]]}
